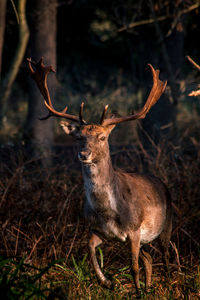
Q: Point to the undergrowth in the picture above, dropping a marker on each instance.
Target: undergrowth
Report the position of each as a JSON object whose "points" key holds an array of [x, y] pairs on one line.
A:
{"points": [[44, 237]]}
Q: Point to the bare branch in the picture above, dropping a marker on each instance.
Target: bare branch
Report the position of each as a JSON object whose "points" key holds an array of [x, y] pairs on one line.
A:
{"points": [[194, 93], [158, 19], [193, 62]]}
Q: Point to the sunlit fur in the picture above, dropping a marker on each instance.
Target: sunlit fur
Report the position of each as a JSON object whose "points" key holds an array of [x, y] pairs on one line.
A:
{"points": [[120, 205]]}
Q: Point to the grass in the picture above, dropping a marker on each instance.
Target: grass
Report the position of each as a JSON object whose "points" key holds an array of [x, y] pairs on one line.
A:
{"points": [[43, 242], [19, 280]]}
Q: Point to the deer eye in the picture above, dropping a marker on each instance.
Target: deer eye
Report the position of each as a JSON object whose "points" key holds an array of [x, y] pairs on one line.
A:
{"points": [[102, 138]]}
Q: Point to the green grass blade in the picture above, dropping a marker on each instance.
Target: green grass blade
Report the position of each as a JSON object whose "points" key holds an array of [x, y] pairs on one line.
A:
{"points": [[101, 257]]}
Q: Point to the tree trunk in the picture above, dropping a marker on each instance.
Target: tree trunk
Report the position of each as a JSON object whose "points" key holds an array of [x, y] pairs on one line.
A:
{"points": [[43, 44], [10, 76], [2, 29]]}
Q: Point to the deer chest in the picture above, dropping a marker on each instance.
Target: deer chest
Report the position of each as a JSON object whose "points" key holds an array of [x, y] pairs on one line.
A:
{"points": [[103, 216]]}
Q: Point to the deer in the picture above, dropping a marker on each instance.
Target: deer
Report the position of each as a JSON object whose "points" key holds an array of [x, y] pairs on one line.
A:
{"points": [[118, 206]]}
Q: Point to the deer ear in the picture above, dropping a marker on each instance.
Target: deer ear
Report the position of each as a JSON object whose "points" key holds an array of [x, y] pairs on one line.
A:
{"points": [[109, 128], [68, 128]]}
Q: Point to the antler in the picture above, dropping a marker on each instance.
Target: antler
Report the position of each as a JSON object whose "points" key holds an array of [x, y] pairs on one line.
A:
{"points": [[156, 91], [40, 76]]}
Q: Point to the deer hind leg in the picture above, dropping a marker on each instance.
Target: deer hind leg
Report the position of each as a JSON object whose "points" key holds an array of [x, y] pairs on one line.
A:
{"points": [[135, 249], [164, 238], [93, 243], [147, 262]]}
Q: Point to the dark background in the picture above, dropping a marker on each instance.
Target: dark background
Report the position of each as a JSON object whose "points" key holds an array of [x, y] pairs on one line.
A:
{"points": [[100, 50], [101, 61]]}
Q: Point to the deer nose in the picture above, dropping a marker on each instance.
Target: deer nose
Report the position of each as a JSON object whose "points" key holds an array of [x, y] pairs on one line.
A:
{"points": [[84, 155]]}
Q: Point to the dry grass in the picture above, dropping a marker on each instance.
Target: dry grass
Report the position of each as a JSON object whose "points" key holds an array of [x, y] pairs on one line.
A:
{"points": [[42, 222]]}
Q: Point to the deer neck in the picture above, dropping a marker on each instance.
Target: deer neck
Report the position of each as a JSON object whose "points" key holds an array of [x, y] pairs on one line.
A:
{"points": [[100, 173], [98, 183]]}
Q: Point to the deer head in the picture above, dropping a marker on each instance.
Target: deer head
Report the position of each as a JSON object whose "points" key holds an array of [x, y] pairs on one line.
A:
{"points": [[92, 138]]}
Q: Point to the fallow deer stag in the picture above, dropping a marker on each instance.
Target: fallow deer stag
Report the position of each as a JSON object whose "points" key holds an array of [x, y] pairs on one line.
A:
{"points": [[118, 205]]}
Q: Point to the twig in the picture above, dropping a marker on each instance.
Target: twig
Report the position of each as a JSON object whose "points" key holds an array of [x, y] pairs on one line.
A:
{"points": [[16, 245], [189, 235], [21, 232], [158, 19], [193, 62], [15, 10], [8, 186], [72, 243], [194, 93], [65, 203], [142, 22], [177, 255], [27, 259]]}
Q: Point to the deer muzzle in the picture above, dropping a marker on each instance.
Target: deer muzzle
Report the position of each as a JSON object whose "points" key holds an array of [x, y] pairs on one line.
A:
{"points": [[85, 156]]}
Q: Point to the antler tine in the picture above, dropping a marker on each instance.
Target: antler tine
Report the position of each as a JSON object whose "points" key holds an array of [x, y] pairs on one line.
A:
{"points": [[40, 76], [82, 121], [156, 91], [103, 114]]}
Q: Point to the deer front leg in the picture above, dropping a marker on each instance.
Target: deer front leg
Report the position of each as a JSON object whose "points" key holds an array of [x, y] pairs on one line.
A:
{"points": [[135, 249], [94, 242]]}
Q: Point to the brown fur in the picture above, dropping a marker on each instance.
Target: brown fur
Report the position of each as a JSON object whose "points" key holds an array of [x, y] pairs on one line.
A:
{"points": [[118, 204]]}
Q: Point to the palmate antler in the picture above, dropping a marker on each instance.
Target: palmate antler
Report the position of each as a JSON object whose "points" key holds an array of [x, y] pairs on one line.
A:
{"points": [[156, 91], [40, 76]]}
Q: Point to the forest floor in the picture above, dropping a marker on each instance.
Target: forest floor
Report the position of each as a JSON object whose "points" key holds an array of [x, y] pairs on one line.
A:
{"points": [[44, 237]]}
